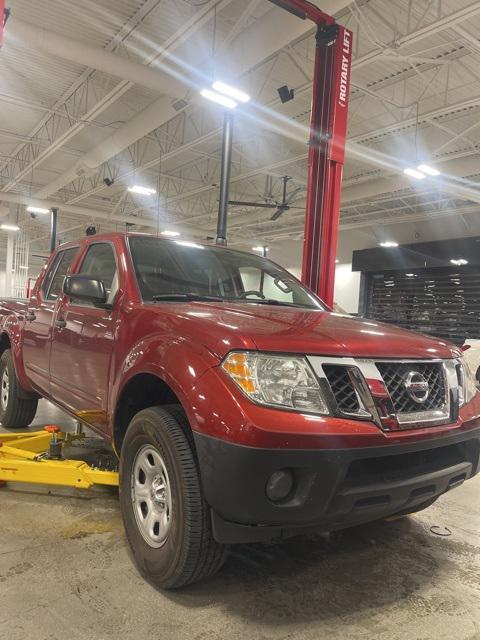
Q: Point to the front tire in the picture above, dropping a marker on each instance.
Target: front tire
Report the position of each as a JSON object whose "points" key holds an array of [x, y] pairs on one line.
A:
{"points": [[166, 518], [16, 410]]}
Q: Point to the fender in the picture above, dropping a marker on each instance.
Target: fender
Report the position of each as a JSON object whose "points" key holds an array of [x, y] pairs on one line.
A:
{"points": [[178, 361], [12, 328]]}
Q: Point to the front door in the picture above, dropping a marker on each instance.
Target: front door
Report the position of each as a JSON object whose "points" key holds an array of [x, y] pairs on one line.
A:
{"points": [[37, 331], [82, 344]]}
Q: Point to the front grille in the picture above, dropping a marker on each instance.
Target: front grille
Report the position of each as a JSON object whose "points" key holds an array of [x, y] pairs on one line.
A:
{"points": [[342, 388], [394, 375]]}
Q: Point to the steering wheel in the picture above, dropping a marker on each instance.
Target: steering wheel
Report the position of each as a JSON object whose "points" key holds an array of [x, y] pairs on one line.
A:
{"points": [[245, 294]]}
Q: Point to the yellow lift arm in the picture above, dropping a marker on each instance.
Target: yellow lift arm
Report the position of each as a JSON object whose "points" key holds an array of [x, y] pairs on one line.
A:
{"points": [[37, 457]]}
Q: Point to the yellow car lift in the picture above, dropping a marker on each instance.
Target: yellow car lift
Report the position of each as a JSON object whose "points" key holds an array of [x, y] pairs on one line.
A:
{"points": [[37, 457]]}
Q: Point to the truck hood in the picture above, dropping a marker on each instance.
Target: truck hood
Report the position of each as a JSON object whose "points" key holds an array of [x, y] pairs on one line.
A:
{"points": [[223, 327]]}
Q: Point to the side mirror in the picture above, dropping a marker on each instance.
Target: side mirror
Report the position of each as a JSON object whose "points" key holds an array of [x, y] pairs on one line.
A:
{"points": [[85, 288]]}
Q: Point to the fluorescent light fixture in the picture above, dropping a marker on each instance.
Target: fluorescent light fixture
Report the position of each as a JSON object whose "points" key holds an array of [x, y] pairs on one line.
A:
{"points": [[37, 210], [461, 262], [23, 266], [261, 249], [9, 227], [414, 173], [230, 92], [170, 234], [218, 98], [141, 191], [410, 275], [430, 171], [388, 245]]}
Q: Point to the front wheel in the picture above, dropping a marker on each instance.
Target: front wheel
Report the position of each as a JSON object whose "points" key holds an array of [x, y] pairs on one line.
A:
{"points": [[16, 409], [165, 515]]}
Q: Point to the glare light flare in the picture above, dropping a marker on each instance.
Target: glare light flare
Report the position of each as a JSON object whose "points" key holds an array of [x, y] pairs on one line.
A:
{"points": [[193, 245], [9, 227], [142, 191], [213, 96], [37, 210], [170, 234], [231, 92], [389, 245]]}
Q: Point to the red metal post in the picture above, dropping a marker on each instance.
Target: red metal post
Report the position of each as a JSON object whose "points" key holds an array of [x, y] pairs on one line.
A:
{"points": [[2, 20], [325, 161], [331, 89]]}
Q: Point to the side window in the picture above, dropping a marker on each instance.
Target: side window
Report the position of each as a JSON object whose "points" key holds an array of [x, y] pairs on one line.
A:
{"points": [[53, 284], [100, 263]]}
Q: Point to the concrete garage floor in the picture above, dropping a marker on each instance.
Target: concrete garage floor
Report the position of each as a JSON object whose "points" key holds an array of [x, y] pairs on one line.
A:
{"points": [[65, 573]]}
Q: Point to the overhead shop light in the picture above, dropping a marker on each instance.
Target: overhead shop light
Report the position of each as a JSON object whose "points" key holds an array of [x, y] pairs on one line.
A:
{"points": [[32, 209], [9, 227], [428, 170], [225, 95], [389, 245], [231, 92], [142, 191], [414, 173]]}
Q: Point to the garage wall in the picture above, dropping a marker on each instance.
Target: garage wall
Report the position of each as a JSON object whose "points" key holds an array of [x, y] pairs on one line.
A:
{"points": [[347, 283], [347, 288], [3, 292]]}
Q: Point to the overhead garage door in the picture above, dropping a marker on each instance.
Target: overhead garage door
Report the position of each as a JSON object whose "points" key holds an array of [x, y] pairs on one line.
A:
{"points": [[440, 302]]}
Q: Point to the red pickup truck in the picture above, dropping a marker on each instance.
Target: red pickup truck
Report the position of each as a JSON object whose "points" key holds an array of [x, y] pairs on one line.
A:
{"points": [[241, 409]]}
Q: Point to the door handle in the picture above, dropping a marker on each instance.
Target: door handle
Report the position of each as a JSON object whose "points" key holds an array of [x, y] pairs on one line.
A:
{"points": [[60, 324], [30, 316]]}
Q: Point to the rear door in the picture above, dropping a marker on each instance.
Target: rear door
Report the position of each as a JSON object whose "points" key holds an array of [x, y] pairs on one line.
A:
{"points": [[83, 340], [37, 332]]}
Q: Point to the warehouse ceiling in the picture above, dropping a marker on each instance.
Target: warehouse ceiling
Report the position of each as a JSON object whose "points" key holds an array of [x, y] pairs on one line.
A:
{"points": [[66, 127]]}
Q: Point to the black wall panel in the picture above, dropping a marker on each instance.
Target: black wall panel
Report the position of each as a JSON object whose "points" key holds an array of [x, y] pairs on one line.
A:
{"points": [[442, 302]]}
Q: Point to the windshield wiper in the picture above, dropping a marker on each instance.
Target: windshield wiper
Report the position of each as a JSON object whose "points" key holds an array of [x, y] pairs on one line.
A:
{"points": [[273, 302], [186, 297]]}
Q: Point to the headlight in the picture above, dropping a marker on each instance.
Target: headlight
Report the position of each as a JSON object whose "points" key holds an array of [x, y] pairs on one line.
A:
{"points": [[277, 381], [466, 382]]}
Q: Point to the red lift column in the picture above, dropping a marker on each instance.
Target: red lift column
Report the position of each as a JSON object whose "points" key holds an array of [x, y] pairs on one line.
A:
{"points": [[331, 89], [4, 13]]}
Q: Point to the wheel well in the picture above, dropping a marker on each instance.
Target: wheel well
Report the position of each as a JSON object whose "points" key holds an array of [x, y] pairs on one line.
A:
{"points": [[142, 391], [4, 343]]}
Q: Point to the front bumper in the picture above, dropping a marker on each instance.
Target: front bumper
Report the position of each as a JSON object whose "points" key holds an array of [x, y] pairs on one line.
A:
{"points": [[333, 488]]}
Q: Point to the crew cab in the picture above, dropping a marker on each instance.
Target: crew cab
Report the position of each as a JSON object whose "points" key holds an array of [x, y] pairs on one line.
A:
{"points": [[240, 407]]}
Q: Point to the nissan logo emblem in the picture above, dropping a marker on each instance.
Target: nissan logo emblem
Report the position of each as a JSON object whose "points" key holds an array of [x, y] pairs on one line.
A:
{"points": [[416, 387]]}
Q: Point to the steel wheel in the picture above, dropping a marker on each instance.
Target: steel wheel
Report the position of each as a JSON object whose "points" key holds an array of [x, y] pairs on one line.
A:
{"points": [[151, 496], [5, 389]]}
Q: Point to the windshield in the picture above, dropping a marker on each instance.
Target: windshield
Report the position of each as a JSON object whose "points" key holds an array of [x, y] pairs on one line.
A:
{"points": [[173, 270]]}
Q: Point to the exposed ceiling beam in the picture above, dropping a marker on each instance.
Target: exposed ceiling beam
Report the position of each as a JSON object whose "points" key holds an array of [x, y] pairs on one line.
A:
{"points": [[267, 36], [187, 30], [439, 25], [93, 214]]}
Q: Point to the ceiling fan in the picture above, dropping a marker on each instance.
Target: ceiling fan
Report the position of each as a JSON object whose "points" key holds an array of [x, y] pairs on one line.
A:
{"points": [[280, 207]]}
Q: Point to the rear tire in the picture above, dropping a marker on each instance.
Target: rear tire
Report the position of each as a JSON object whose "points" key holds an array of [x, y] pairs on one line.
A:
{"points": [[166, 518], [16, 410]]}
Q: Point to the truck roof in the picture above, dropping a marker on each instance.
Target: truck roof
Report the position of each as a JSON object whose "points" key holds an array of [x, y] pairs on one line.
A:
{"points": [[129, 234]]}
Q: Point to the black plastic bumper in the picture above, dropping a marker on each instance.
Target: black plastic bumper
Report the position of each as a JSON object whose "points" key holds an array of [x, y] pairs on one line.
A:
{"points": [[333, 489]]}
